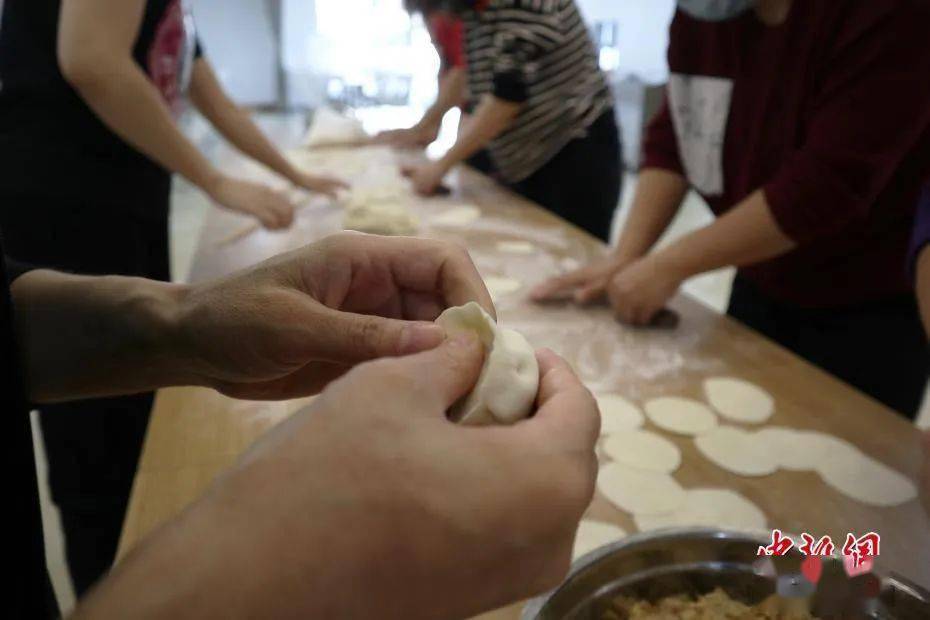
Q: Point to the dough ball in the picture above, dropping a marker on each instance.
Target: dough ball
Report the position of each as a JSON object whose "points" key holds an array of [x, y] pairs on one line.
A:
{"points": [[682, 416], [507, 386], [592, 535], [641, 449], [380, 219], [639, 492], [737, 451], [331, 128], [718, 508], [739, 400], [618, 414]]}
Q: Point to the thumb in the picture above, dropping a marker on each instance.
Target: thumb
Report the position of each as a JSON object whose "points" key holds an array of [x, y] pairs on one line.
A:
{"points": [[346, 337], [447, 372]]}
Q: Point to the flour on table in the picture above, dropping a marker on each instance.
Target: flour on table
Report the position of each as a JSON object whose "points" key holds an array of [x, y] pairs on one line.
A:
{"points": [[641, 449], [737, 451], [682, 416], [739, 400], [717, 508], [462, 215], [618, 414], [516, 247], [592, 535], [639, 492]]}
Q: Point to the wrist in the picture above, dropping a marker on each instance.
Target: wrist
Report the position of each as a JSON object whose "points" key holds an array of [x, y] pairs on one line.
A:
{"points": [[210, 182], [157, 306], [674, 267]]}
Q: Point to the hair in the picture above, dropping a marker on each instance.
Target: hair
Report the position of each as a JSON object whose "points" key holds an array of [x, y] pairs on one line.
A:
{"points": [[429, 6]]}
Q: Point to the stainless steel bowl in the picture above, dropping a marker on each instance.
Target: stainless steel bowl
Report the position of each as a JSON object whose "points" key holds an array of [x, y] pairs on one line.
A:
{"points": [[696, 560]]}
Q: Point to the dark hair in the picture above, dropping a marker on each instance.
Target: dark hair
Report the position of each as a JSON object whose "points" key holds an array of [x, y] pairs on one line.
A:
{"points": [[429, 6]]}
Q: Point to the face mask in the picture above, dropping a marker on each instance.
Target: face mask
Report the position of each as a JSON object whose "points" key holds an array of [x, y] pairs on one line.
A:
{"points": [[715, 10]]}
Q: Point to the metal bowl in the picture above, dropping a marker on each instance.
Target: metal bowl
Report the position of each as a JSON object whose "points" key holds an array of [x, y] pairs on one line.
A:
{"points": [[694, 561]]}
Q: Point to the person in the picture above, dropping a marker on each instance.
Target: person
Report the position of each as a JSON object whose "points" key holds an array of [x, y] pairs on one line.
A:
{"points": [[299, 526], [88, 141], [782, 116], [920, 267], [542, 108]]}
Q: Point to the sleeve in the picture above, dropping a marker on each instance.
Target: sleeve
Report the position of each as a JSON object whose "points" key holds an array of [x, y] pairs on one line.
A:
{"points": [[921, 229], [872, 107], [524, 36], [446, 32], [660, 145]]}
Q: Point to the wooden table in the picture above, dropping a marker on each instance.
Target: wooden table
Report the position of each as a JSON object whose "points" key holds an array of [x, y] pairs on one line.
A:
{"points": [[196, 433]]}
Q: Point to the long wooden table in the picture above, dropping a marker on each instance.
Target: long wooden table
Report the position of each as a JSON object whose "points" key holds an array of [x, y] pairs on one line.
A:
{"points": [[196, 433]]}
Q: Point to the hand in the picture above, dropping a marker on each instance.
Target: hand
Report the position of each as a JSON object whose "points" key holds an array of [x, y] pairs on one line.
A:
{"points": [[322, 184], [425, 178], [418, 136], [586, 285], [288, 326], [270, 207], [370, 503], [641, 289]]}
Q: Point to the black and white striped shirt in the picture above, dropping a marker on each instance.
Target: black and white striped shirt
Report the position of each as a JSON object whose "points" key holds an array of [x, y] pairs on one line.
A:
{"points": [[539, 53]]}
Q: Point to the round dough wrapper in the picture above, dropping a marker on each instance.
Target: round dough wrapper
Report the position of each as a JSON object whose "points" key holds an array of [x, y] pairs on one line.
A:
{"points": [[380, 219], [682, 416], [719, 508], [739, 400], [618, 414], [867, 480], [803, 450], [462, 215], [639, 492], [498, 286], [516, 247], [642, 449], [592, 535], [737, 451], [506, 388]]}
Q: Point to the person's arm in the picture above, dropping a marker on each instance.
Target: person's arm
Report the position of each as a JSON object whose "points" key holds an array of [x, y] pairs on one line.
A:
{"points": [[451, 93], [302, 526], [280, 329], [95, 42], [237, 126]]}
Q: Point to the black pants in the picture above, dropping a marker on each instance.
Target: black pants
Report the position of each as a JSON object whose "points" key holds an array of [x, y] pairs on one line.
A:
{"points": [[878, 347], [92, 446], [582, 182]]}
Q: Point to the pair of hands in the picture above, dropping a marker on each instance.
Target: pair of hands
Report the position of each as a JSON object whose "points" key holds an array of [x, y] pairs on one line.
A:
{"points": [[420, 135], [272, 208], [637, 288]]}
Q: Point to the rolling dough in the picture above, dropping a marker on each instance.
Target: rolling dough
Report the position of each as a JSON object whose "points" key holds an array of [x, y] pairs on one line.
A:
{"points": [[516, 247], [717, 508], [866, 480], [680, 415], [618, 414], [639, 492], [737, 451], [462, 215], [592, 535], [641, 449], [739, 400], [506, 388], [380, 219], [498, 286]]}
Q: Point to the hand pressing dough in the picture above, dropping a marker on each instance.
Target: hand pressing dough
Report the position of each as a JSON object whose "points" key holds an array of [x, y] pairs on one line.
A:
{"points": [[498, 286], [639, 492], [739, 400], [718, 508], [462, 215], [866, 480], [737, 451], [680, 415], [592, 535], [380, 219], [516, 247], [645, 450], [507, 386]]}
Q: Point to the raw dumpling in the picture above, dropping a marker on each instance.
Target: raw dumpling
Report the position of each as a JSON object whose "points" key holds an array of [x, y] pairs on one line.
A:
{"points": [[509, 379]]}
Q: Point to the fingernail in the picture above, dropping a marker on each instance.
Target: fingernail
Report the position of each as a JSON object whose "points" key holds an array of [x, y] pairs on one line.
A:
{"points": [[420, 337]]}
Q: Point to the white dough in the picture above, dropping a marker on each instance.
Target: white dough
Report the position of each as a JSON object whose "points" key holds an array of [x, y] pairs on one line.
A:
{"points": [[498, 286], [737, 451], [618, 414], [329, 127], [739, 400], [680, 415], [866, 480], [381, 219], [800, 450], [507, 386], [718, 508], [516, 247], [592, 535], [639, 492], [643, 450], [463, 215]]}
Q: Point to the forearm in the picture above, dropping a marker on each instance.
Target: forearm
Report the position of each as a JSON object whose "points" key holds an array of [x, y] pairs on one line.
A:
{"points": [[451, 93], [923, 286], [491, 118], [745, 235], [658, 197], [96, 336]]}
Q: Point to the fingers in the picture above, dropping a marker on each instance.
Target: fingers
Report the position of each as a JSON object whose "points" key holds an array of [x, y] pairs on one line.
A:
{"points": [[346, 337], [565, 287]]}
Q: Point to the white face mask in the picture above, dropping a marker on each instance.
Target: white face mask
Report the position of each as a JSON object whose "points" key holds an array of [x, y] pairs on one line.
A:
{"points": [[715, 10]]}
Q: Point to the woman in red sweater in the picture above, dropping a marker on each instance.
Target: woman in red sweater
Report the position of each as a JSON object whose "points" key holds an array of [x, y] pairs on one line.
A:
{"points": [[806, 128]]}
